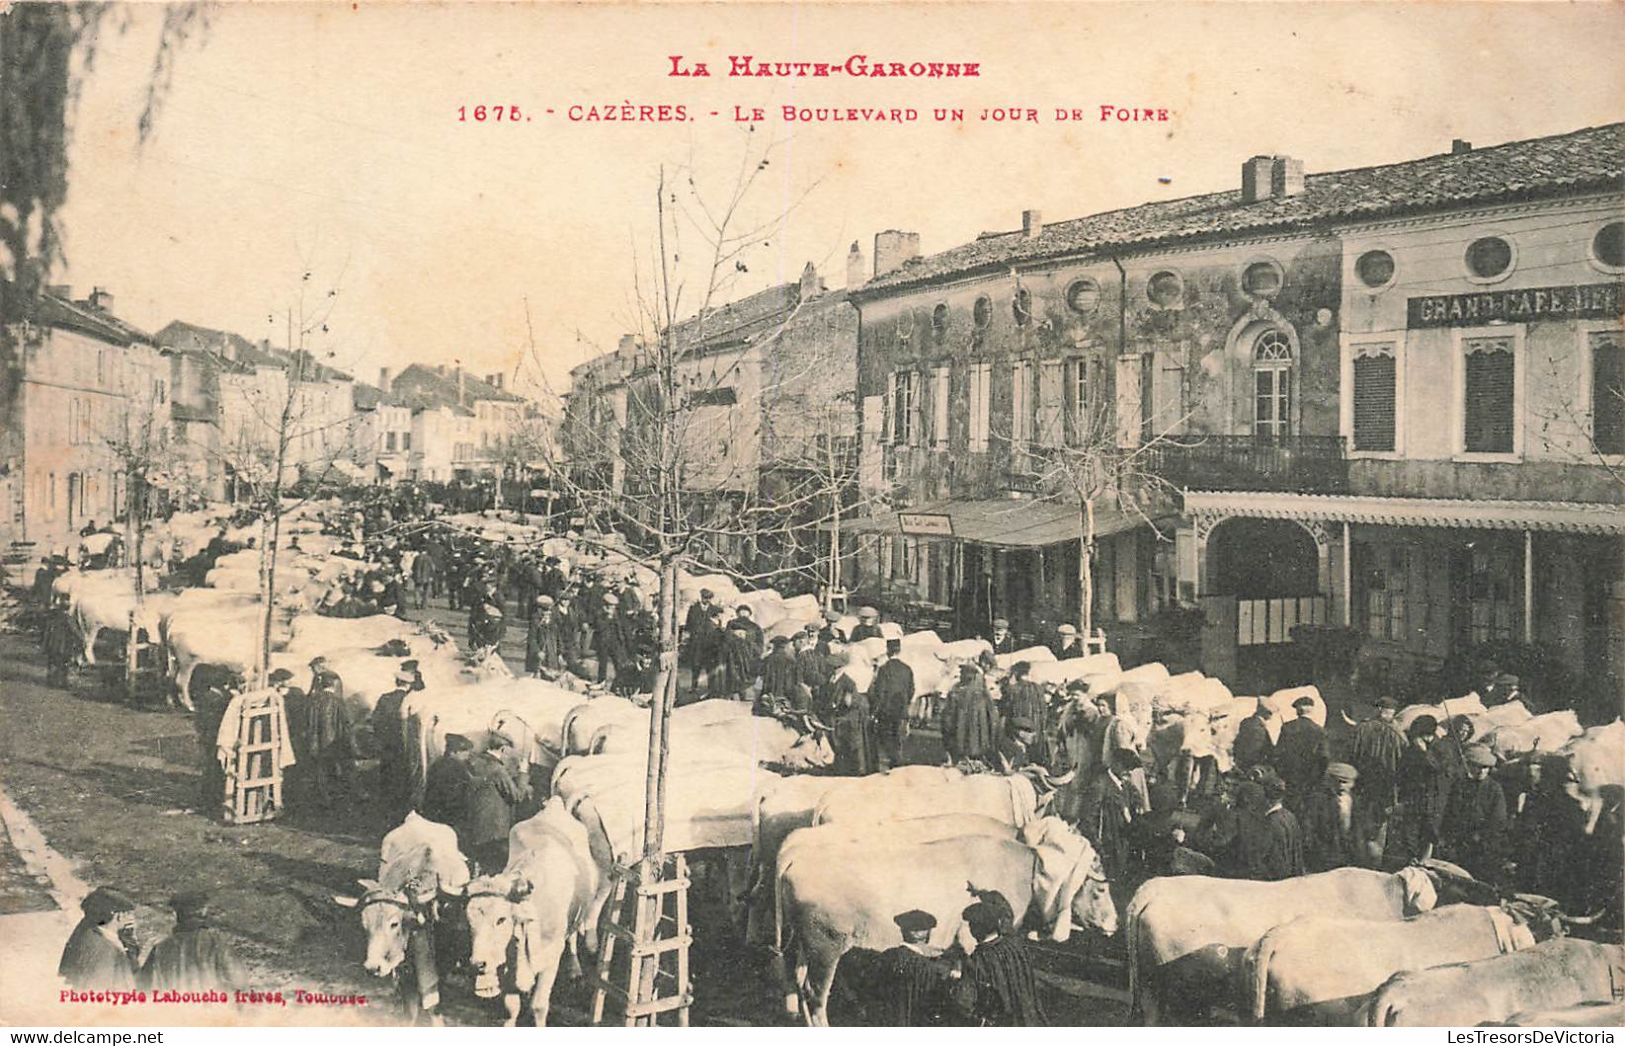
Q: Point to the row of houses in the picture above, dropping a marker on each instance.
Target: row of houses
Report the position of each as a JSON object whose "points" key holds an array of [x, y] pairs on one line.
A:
{"points": [[207, 413], [1385, 402]]}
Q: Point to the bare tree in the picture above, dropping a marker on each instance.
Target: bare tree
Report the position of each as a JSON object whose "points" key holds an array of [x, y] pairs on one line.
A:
{"points": [[1567, 417], [145, 450]]}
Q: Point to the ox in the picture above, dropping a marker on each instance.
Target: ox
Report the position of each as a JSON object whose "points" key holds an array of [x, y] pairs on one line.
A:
{"points": [[1187, 934], [923, 791], [1551, 975], [416, 860], [783, 805], [548, 897], [1586, 1015], [1321, 970], [844, 895]]}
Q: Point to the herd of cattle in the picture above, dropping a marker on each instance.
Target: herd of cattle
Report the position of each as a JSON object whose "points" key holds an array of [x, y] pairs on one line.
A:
{"points": [[821, 864]]}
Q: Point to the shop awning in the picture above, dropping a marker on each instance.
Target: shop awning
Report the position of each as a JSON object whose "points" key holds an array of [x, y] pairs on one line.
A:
{"points": [[1008, 522], [1571, 517]]}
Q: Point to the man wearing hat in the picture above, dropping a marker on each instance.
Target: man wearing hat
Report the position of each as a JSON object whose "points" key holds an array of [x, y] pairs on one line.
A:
{"points": [[696, 632], [912, 989], [779, 677], [608, 639], [1003, 642], [1332, 835], [868, 626], [101, 951], [892, 695], [1374, 752], [488, 807], [1301, 753], [1253, 746], [741, 663], [196, 957], [61, 642], [1024, 699], [828, 633], [329, 744], [1016, 743], [1422, 786], [1066, 643], [486, 624], [544, 645], [997, 987], [970, 723], [744, 616], [1473, 832], [1272, 844]]}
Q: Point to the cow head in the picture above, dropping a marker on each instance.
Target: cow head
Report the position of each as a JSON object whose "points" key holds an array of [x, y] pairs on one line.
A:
{"points": [[389, 918], [1535, 918], [493, 921], [1092, 905], [811, 749]]}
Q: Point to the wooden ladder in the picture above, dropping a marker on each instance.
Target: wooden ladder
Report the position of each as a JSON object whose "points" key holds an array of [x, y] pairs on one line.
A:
{"points": [[254, 776], [652, 920]]}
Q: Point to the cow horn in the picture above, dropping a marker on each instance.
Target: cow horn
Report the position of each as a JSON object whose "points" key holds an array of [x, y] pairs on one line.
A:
{"points": [[346, 902], [1581, 920], [1344, 713], [1065, 779]]}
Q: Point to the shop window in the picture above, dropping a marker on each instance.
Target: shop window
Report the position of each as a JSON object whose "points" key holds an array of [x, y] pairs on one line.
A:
{"points": [[1272, 386], [1386, 581], [1608, 392], [1488, 396], [1489, 594], [1374, 407]]}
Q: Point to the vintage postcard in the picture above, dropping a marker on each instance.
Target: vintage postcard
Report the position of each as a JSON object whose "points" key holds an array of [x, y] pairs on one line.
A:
{"points": [[731, 515]]}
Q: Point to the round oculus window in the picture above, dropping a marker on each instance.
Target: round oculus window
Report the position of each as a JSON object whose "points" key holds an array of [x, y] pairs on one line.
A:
{"points": [[1083, 296], [1375, 269], [1262, 279], [1489, 257], [982, 312], [1608, 246], [1165, 289], [1022, 307]]}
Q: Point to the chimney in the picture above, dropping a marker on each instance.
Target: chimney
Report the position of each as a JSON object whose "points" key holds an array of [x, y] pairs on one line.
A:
{"points": [[383, 378], [1459, 146], [60, 290], [1286, 177], [101, 299], [811, 285], [854, 266], [894, 248], [1032, 223], [496, 379], [1255, 178], [462, 388]]}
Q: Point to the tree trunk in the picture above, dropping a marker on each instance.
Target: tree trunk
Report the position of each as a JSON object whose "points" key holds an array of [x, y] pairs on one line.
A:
{"points": [[1086, 571], [660, 707]]}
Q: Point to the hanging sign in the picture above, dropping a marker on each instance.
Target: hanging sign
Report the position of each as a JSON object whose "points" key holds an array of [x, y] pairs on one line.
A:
{"points": [[926, 524]]}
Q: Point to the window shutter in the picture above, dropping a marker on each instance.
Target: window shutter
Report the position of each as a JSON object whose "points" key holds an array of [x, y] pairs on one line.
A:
{"points": [[1374, 402], [888, 412], [1608, 392], [939, 408], [1489, 397], [916, 403], [1128, 401], [1050, 384], [980, 380]]}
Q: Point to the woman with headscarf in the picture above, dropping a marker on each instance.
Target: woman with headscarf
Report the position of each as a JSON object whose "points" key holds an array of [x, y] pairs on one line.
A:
{"points": [[853, 737], [970, 723], [101, 951], [1024, 699]]}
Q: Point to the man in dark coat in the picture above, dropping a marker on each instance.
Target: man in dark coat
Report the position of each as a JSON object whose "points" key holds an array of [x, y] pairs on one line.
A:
{"points": [[207, 715], [1024, 699], [812, 670], [1272, 847], [544, 646], [488, 806], [743, 617], [486, 624], [970, 723], [445, 786], [1003, 641], [101, 951], [912, 986], [1473, 832], [1253, 746], [997, 986], [195, 957], [328, 740], [868, 626], [697, 638], [573, 638], [891, 694], [1423, 787], [62, 644], [852, 735], [385, 721], [741, 663], [1374, 751], [1332, 836], [608, 640], [1301, 754], [779, 677]]}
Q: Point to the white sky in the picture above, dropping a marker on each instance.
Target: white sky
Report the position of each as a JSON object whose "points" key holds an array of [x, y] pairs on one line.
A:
{"points": [[321, 138]]}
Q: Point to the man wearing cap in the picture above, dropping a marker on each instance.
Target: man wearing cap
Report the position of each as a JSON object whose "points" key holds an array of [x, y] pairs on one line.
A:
{"points": [[486, 624], [608, 639], [997, 988], [1332, 836], [1473, 832], [544, 646], [488, 806], [1253, 745], [828, 633], [1066, 643], [911, 990], [1374, 752], [1024, 699], [196, 957], [445, 785], [329, 744], [1272, 846], [868, 626], [1016, 743], [696, 634], [1301, 753], [812, 670], [101, 951], [970, 723], [1003, 642], [743, 615], [385, 721], [741, 662], [891, 695], [779, 677]]}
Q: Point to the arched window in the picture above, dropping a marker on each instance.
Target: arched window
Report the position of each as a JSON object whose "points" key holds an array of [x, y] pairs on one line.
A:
{"points": [[1272, 386]]}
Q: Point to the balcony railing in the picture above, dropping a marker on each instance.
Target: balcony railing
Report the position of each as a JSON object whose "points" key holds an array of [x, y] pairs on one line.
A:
{"points": [[1305, 464]]}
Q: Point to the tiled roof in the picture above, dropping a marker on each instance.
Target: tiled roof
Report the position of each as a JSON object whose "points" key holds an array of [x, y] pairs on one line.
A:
{"points": [[234, 348], [72, 315], [420, 386], [1588, 159]]}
